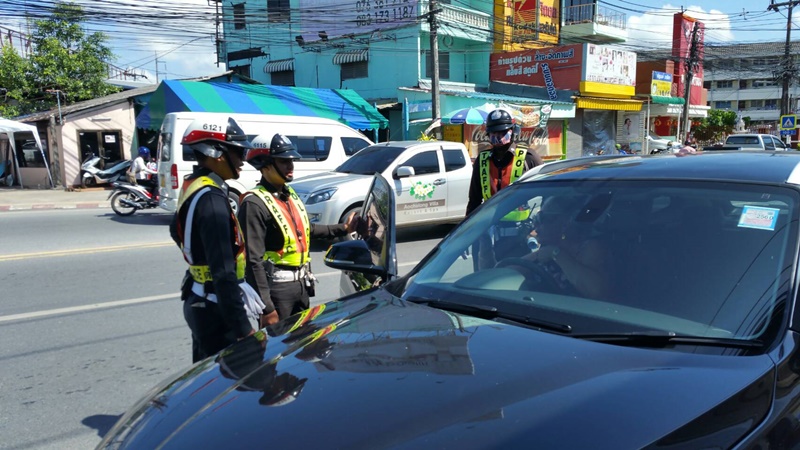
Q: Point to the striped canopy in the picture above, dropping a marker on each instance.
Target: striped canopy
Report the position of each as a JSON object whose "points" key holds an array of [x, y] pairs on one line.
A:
{"points": [[343, 105]]}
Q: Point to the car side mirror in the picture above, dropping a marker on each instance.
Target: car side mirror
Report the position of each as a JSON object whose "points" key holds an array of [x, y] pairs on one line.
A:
{"points": [[404, 172], [353, 256]]}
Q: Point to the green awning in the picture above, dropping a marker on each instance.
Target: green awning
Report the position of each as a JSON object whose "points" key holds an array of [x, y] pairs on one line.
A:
{"points": [[343, 105], [659, 100]]}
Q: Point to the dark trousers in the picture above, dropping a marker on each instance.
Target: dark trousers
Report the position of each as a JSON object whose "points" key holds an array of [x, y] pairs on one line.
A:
{"points": [[289, 298], [210, 333]]}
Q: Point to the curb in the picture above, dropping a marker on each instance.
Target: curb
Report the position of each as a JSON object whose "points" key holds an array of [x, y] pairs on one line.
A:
{"points": [[46, 206]]}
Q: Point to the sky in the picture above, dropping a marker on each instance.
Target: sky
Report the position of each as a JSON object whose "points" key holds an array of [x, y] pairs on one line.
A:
{"points": [[175, 39]]}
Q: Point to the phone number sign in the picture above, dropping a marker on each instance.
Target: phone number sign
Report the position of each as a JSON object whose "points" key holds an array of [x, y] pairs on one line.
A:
{"points": [[354, 17]]}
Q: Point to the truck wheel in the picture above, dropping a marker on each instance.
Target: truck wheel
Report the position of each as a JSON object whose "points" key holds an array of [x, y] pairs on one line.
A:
{"points": [[233, 199]]}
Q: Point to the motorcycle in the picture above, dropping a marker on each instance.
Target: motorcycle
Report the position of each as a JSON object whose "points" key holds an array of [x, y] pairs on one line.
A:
{"points": [[128, 198], [91, 175]]}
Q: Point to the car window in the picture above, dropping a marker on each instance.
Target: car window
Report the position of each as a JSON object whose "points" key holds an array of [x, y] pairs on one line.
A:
{"points": [[768, 144], [423, 163], [375, 158], [165, 146], [654, 256], [742, 140], [453, 159], [353, 144], [779, 144], [312, 148]]}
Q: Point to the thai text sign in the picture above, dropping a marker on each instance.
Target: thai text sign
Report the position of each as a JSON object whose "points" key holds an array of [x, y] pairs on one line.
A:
{"points": [[661, 85], [525, 67]]}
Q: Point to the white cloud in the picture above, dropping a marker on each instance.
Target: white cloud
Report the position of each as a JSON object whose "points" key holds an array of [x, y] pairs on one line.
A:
{"points": [[654, 28]]}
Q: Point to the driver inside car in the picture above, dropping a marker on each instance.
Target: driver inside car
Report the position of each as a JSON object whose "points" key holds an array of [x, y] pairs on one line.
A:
{"points": [[570, 259]]}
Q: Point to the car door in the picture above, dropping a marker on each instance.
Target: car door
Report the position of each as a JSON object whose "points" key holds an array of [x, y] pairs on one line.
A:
{"points": [[779, 144], [421, 197], [459, 171], [768, 144], [371, 258]]}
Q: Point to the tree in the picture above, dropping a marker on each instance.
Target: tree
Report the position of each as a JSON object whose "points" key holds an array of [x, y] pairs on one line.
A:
{"points": [[64, 59], [15, 86], [719, 123]]}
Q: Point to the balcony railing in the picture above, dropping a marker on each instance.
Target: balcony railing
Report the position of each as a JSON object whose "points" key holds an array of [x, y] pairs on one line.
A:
{"points": [[600, 15], [461, 16]]}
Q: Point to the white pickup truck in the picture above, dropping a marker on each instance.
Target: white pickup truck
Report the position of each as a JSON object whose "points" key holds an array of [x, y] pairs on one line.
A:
{"points": [[751, 142], [430, 180]]}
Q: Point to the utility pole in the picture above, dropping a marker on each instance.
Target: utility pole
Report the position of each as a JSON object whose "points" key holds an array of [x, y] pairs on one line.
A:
{"points": [[433, 5], [691, 65], [787, 66]]}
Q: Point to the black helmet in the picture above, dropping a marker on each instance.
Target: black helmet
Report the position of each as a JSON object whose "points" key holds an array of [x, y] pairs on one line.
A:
{"points": [[279, 147], [212, 137], [499, 120]]}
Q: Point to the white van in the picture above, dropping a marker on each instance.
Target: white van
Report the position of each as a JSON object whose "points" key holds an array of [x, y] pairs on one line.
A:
{"points": [[323, 143]]}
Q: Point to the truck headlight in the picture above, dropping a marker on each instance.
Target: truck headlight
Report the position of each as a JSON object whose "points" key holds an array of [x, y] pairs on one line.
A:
{"points": [[320, 196]]}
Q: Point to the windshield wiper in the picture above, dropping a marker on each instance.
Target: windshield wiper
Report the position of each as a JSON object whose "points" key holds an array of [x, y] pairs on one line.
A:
{"points": [[491, 313], [664, 339]]}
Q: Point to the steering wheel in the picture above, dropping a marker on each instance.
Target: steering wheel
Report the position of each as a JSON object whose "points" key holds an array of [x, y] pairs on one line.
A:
{"points": [[534, 272]]}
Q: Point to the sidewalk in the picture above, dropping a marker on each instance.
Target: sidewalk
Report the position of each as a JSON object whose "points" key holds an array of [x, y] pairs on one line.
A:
{"points": [[16, 199]]}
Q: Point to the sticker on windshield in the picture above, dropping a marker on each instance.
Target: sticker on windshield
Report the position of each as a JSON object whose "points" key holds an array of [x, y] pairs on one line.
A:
{"points": [[759, 217]]}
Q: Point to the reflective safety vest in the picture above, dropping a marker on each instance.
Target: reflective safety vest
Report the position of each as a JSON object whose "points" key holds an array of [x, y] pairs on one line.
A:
{"points": [[293, 222], [490, 175], [190, 194]]}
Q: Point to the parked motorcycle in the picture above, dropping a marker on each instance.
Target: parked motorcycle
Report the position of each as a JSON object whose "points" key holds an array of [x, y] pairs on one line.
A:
{"points": [[91, 175], [128, 198]]}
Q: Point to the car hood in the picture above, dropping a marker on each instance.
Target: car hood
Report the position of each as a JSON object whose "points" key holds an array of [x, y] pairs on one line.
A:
{"points": [[375, 371], [310, 183]]}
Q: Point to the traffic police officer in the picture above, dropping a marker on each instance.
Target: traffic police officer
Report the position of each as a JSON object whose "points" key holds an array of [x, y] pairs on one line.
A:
{"points": [[493, 170], [277, 232], [218, 306]]}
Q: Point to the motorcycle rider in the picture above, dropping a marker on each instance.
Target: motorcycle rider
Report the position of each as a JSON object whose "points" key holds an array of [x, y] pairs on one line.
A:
{"points": [[142, 173], [495, 169], [219, 306], [277, 231]]}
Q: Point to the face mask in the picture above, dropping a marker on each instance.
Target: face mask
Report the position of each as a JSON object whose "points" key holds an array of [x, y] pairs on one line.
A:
{"points": [[498, 141]]}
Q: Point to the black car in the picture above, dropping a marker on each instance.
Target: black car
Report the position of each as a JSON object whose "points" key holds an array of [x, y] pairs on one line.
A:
{"points": [[618, 303]]}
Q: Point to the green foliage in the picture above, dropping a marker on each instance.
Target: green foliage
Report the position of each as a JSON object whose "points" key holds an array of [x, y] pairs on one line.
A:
{"points": [[718, 124], [64, 58], [14, 70]]}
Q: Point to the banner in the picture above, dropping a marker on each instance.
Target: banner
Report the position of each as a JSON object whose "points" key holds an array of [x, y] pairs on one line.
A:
{"points": [[533, 134], [610, 66]]}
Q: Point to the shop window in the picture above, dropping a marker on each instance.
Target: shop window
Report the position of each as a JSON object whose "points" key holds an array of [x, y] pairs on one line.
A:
{"points": [[278, 11], [242, 70], [239, 20], [312, 148], [28, 154], [725, 84], [444, 65], [723, 105], [283, 78], [354, 70]]}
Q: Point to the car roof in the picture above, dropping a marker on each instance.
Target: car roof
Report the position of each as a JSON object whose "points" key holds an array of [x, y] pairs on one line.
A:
{"points": [[759, 167], [417, 143]]}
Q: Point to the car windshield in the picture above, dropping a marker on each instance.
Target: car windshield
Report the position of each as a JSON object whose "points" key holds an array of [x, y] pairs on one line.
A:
{"points": [[701, 259], [375, 158]]}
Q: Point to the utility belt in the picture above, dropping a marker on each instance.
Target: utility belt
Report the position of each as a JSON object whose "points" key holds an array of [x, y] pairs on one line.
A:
{"points": [[288, 274]]}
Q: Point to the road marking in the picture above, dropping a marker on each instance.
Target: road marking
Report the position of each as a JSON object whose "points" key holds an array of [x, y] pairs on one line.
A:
{"points": [[133, 301], [92, 307], [83, 251]]}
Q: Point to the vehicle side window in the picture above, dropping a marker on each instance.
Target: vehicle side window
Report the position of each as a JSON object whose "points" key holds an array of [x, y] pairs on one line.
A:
{"points": [[779, 144], [425, 162], [312, 148], [352, 145], [165, 146], [453, 159], [768, 144]]}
